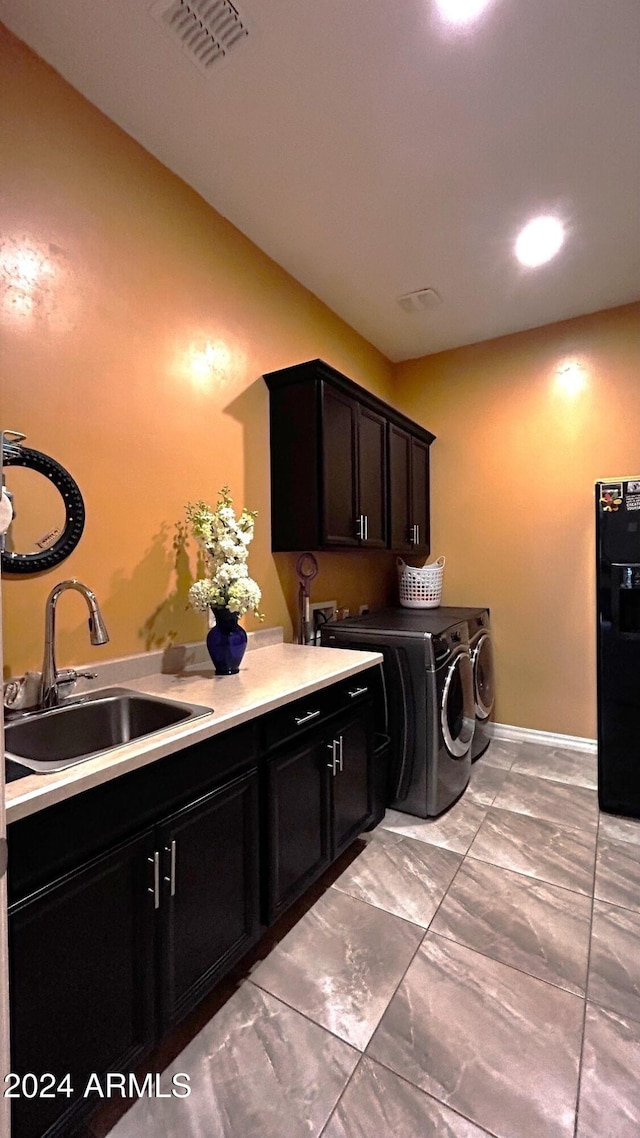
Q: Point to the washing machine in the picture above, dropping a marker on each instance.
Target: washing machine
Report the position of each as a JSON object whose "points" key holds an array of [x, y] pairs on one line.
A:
{"points": [[426, 704]]}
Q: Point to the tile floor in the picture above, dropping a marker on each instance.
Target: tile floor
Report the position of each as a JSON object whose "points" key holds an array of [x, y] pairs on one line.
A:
{"points": [[470, 976]]}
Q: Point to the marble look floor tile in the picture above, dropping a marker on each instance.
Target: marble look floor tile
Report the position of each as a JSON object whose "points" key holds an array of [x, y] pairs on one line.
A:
{"points": [[258, 1070], [609, 1102], [484, 784], [614, 966], [580, 768], [453, 830], [402, 876], [619, 829], [500, 753], [341, 964], [618, 873], [538, 928], [498, 1046], [378, 1104], [572, 807], [537, 848]]}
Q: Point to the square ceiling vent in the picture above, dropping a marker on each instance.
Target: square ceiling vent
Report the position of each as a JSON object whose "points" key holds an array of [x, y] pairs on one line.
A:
{"points": [[206, 30], [422, 300]]}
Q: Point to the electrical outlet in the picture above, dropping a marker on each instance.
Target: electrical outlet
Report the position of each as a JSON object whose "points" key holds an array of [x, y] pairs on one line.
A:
{"points": [[363, 610], [319, 613]]}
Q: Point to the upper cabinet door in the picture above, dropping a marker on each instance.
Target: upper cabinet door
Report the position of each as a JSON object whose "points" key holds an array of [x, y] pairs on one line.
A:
{"points": [[339, 461], [400, 511], [420, 495], [408, 491], [372, 479]]}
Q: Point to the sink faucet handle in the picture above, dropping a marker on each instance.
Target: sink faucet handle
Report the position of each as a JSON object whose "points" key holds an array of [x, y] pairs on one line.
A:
{"points": [[70, 675]]}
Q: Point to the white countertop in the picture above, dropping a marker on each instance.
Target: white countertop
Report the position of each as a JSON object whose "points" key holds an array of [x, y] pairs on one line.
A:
{"points": [[268, 678]]}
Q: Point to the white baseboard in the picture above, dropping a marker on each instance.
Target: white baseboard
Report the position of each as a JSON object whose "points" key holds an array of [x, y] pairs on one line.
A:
{"points": [[549, 738]]}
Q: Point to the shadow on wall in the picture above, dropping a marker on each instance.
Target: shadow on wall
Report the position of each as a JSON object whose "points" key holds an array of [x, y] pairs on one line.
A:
{"points": [[174, 617], [251, 410]]}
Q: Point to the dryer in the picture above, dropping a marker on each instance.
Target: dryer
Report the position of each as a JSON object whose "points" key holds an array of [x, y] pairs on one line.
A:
{"points": [[481, 647], [427, 704]]}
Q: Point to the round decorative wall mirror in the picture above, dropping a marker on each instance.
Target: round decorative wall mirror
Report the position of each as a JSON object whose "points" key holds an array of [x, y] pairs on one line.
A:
{"points": [[48, 511]]}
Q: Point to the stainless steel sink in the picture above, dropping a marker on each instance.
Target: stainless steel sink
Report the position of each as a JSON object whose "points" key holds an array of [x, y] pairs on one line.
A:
{"points": [[83, 728]]}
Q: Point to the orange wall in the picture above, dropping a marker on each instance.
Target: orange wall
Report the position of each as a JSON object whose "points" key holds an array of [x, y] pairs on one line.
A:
{"points": [[124, 276], [114, 279], [512, 496]]}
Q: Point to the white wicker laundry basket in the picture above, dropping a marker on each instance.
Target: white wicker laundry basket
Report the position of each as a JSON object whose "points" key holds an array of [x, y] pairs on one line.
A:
{"points": [[420, 588]]}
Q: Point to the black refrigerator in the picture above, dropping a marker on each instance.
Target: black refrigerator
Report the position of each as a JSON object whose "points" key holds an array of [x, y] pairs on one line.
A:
{"points": [[618, 615]]}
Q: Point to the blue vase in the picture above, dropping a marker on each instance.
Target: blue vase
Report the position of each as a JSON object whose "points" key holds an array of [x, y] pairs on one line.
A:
{"points": [[226, 642]]}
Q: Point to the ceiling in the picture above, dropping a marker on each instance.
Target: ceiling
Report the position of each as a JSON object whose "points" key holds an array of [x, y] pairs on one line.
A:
{"points": [[372, 150]]}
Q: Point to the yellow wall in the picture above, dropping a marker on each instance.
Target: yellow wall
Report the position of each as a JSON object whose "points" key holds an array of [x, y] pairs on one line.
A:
{"points": [[513, 500], [115, 277]]}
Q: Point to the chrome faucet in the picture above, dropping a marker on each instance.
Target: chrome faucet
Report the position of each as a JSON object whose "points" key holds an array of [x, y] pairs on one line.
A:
{"points": [[51, 677]]}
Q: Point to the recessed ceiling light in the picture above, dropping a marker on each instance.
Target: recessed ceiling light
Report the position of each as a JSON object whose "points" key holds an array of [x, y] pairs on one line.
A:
{"points": [[461, 11], [539, 241]]}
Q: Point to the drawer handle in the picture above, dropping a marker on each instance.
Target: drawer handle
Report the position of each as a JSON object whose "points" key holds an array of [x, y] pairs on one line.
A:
{"points": [[300, 719], [155, 862], [356, 692]]}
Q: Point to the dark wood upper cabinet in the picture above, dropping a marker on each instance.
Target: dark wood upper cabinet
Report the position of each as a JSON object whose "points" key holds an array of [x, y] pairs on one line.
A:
{"points": [[339, 460], [408, 491], [331, 481]]}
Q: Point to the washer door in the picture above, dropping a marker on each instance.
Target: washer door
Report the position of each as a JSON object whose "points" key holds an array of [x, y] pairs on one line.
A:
{"points": [[483, 676], [457, 715]]}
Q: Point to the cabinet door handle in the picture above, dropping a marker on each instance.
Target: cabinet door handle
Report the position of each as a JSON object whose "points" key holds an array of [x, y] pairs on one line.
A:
{"points": [[417, 535], [171, 879], [360, 527], [356, 692], [340, 756], [306, 718], [366, 527], [155, 889], [332, 765]]}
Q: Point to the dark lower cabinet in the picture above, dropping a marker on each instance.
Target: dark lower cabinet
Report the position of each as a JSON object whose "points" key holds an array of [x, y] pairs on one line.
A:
{"points": [[155, 891], [209, 893], [297, 831], [320, 799], [352, 783], [106, 959], [82, 983]]}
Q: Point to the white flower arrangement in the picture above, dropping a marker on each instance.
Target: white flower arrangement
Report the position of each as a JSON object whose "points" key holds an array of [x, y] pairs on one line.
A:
{"points": [[226, 539]]}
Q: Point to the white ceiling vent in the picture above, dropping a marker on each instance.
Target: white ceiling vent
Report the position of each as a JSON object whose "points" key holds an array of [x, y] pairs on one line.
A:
{"points": [[206, 29], [421, 300]]}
